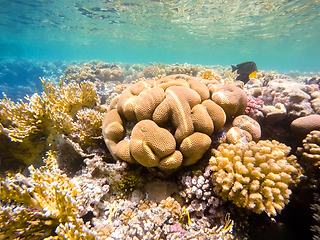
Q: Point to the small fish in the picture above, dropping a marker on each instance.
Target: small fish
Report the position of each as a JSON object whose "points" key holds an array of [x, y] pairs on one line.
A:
{"points": [[246, 70]]}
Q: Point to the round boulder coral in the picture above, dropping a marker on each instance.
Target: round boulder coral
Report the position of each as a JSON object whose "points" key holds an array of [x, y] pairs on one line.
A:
{"points": [[232, 99], [164, 123], [255, 175], [300, 127], [248, 124]]}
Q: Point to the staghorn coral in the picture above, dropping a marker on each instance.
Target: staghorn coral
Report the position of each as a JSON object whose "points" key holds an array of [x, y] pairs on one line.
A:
{"points": [[41, 205], [59, 110], [165, 122], [257, 176]]}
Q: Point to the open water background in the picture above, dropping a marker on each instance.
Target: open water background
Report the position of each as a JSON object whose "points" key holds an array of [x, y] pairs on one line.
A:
{"points": [[280, 35]]}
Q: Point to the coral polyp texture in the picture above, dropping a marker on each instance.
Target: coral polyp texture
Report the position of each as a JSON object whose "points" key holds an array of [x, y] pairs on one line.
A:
{"points": [[257, 176], [168, 122]]}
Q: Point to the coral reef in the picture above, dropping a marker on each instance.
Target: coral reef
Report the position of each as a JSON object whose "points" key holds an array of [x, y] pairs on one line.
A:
{"points": [[183, 69], [157, 120], [93, 71], [257, 176], [35, 126], [41, 205], [200, 198], [281, 89], [248, 124], [168, 122]]}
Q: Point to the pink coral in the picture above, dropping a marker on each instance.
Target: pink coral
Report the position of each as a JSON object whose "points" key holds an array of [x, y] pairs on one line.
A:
{"points": [[253, 104]]}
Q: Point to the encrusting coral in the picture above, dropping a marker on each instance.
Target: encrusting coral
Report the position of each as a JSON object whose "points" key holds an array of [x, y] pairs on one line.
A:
{"points": [[33, 126], [168, 122], [41, 206], [257, 176]]}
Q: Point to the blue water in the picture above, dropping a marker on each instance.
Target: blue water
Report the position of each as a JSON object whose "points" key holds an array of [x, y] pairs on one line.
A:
{"points": [[280, 35]]}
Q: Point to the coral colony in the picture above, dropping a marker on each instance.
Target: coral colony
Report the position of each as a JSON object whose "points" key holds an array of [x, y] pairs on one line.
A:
{"points": [[157, 152]]}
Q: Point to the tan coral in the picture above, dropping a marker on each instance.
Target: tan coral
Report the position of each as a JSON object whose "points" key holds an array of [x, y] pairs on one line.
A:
{"points": [[149, 143], [177, 108], [112, 130], [151, 115], [255, 175], [201, 120], [147, 102], [300, 127], [248, 124], [236, 135], [217, 114], [232, 99], [193, 147], [127, 101]]}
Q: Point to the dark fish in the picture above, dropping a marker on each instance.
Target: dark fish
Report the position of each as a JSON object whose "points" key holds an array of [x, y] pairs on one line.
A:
{"points": [[245, 70]]}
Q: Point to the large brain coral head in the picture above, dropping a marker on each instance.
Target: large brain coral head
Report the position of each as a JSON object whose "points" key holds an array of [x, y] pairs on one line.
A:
{"points": [[255, 175], [163, 123]]}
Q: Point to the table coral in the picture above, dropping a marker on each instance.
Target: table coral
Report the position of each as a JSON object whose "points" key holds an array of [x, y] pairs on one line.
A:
{"points": [[41, 205], [166, 122], [257, 176]]}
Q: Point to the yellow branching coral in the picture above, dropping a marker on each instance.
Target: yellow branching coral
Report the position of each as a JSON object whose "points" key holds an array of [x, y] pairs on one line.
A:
{"points": [[37, 122], [19, 120], [55, 108], [40, 205], [255, 175], [210, 75], [87, 128]]}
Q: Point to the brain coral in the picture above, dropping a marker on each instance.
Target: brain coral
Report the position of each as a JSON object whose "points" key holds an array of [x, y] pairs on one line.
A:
{"points": [[255, 175], [163, 123]]}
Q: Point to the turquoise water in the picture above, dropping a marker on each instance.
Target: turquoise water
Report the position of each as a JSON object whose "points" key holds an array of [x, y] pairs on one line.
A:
{"points": [[280, 35]]}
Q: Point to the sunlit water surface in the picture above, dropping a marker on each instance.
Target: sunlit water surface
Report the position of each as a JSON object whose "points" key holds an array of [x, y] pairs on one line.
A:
{"points": [[278, 35]]}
